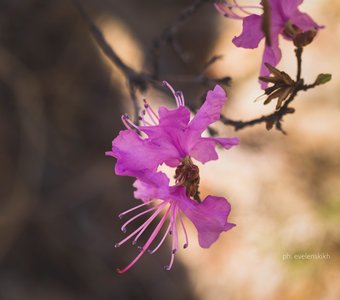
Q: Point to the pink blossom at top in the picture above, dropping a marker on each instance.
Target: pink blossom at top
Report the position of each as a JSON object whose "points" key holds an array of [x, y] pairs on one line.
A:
{"points": [[282, 13], [170, 137]]}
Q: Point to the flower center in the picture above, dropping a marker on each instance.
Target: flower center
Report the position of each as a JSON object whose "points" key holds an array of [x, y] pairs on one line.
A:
{"points": [[187, 175]]}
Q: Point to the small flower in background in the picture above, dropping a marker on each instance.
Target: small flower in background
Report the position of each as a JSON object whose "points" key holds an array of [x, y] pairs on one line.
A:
{"points": [[171, 138], [284, 18]]}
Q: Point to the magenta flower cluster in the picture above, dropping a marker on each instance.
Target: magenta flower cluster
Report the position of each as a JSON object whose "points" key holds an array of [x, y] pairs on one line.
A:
{"points": [[171, 138], [282, 13]]}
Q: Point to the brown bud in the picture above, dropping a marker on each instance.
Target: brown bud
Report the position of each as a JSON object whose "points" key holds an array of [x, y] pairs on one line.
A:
{"points": [[304, 38], [282, 88], [286, 78], [273, 70], [283, 96], [290, 110], [269, 125], [269, 79], [274, 95]]}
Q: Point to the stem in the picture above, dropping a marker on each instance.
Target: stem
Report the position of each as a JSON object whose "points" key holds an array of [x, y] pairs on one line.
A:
{"points": [[298, 53]]}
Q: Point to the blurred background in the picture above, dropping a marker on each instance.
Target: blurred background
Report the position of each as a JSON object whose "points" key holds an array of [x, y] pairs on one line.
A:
{"points": [[60, 106]]}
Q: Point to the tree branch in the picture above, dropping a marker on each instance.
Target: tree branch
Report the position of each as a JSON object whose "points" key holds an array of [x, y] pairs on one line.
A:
{"points": [[136, 81], [168, 36], [140, 80], [276, 117], [298, 53]]}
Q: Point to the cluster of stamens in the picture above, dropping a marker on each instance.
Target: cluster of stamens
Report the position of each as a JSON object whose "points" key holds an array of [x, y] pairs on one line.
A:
{"points": [[171, 210], [153, 117]]}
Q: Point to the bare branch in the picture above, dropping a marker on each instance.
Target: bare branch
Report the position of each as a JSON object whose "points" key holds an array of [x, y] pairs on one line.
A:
{"points": [[298, 53], [135, 80], [276, 117], [168, 35], [141, 81]]}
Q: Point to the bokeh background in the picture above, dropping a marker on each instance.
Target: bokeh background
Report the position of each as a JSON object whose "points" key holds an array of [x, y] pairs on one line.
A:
{"points": [[60, 106]]}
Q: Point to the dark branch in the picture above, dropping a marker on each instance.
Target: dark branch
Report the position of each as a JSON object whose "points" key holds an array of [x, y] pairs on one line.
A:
{"points": [[298, 53], [135, 80], [168, 36], [140, 81], [274, 118], [102, 43]]}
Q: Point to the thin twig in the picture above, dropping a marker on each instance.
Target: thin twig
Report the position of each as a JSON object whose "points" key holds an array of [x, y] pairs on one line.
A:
{"points": [[168, 35], [210, 62], [298, 53], [140, 80], [274, 118], [135, 80], [136, 107]]}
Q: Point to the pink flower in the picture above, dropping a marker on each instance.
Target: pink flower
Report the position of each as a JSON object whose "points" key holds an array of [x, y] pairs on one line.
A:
{"points": [[173, 139], [284, 14]]}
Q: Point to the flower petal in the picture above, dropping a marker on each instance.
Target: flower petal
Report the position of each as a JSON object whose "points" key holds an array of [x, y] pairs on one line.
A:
{"points": [[169, 134], [153, 186], [303, 21], [130, 150], [290, 7], [210, 110], [178, 117], [204, 149], [170, 142], [251, 34], [271, 55], [209, 217], [226, 143]]}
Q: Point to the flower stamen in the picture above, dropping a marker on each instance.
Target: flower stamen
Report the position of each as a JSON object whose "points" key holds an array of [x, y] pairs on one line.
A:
{"points": [[226, 9], [142, 227], [148, 222], [184, 230], [178, 95], [142, 118], [123, 228], [151, 113], [147, 244], [180, 98], [128, 123], [134, 208], [167, 231], [174, 239]]}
